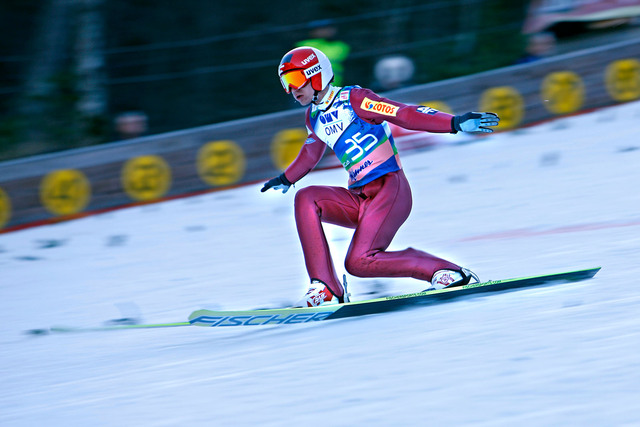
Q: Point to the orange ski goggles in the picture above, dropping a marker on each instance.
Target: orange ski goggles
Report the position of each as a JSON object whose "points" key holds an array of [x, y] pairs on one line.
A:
{"points": [[293, 79]]}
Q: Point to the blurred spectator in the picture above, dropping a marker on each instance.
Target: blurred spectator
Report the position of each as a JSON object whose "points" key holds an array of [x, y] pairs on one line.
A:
{"points": [[323, 36], [393, 72], [131, 124], [539, 45]]}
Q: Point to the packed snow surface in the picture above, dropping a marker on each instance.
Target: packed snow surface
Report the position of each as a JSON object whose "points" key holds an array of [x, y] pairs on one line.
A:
{"points": [[559, 196]]}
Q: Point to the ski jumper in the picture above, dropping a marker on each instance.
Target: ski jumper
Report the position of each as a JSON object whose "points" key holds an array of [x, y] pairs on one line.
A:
{"points": [[353, 122]]}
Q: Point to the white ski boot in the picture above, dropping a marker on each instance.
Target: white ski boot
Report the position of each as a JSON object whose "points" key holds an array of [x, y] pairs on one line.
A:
{"points": [[320, 294], [449, 278]]}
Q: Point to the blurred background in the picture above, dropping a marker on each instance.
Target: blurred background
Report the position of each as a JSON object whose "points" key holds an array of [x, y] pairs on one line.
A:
{"points": [[107, 103], [75, 73]]}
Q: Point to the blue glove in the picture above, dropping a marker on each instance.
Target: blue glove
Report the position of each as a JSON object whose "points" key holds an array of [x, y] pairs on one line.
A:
{"points": [[278, 183], [475, 122]]}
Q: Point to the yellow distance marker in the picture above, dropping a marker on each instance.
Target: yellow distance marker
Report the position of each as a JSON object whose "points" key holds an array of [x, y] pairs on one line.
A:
{"points": [[506, 102], [562, 92], [622, 79], [146, 178], [286, 145], [221, 163], [5, 208], [65, 192]]}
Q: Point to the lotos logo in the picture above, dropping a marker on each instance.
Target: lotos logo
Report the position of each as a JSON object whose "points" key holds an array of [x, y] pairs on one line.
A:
{"points": [[379, 107], [312, 71], [308, 58]]}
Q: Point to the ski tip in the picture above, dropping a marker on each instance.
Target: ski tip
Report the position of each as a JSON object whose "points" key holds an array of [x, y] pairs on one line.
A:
{"points": [[593, 271]]}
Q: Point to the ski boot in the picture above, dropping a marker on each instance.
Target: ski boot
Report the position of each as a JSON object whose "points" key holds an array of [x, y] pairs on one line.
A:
{"points": [[320, 294], [449, 278]]}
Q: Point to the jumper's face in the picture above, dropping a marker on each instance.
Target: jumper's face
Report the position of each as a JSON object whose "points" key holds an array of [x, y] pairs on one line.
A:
{"points": [[304, 94]]}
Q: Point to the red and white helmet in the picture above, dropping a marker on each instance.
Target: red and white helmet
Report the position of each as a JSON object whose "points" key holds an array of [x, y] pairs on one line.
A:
{"points": [[304, 64]]}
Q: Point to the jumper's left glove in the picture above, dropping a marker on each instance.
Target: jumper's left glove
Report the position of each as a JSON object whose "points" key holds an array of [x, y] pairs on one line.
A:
{"points": [[278, 183], [475, 122]]}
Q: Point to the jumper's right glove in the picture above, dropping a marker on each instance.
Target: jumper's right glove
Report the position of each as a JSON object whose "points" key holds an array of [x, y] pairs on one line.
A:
{"points": [[278, 183], [475, 122]]}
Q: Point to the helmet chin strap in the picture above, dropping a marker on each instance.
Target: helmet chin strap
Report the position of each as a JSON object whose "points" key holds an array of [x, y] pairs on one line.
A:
{"points": [[317, 92]]}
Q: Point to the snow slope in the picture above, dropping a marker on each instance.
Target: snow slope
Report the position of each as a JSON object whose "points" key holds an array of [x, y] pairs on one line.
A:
{"points": [[559, 196]]}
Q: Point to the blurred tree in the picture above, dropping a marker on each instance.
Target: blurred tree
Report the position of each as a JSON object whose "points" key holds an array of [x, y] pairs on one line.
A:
{"points": [[89, 59], [48, 54]]}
